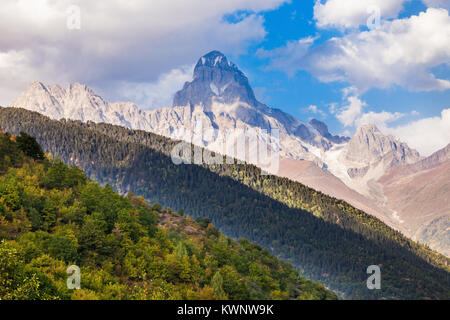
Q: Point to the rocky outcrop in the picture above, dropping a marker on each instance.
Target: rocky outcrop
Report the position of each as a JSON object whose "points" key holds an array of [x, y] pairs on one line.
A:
{"points": [[216, 79], [369, 146]]}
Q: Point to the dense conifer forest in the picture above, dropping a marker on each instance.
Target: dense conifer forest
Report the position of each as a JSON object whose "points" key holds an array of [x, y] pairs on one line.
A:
{"points": [[326, 239]]}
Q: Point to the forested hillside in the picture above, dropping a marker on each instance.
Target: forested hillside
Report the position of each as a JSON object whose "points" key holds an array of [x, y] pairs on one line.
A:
{"points": [[52, 216], [325, 238]]}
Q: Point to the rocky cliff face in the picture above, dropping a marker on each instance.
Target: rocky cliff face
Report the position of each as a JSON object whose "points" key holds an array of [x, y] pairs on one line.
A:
{"points": [[369, 146], [323, 130], [216, 79], [76, 101]]}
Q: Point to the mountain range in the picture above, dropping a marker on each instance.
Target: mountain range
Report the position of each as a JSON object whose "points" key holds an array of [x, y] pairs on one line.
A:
{"points": [[326, 239], [372, 171]]}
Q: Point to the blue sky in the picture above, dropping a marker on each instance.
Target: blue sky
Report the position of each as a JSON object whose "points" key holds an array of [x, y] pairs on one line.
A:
{"points": [[345, 62], [295, 93]]}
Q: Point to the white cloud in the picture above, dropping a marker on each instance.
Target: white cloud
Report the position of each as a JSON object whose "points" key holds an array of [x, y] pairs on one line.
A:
{"points": [[315, 110], [159, 93], [380, 119], [332, 107], [437, 3], [286, 58], [133, 41], [344, 14], [351, 112], [401, 52], [427, 135]]}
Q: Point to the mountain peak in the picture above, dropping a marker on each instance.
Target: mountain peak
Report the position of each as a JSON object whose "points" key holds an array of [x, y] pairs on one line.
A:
{"points": [[77, 85], [368, 128], [80, 88], [37, 88], [323, 130], [36, 84], [216, 79], [215, 59], [214, 53], [77, 101], [369, 144]]}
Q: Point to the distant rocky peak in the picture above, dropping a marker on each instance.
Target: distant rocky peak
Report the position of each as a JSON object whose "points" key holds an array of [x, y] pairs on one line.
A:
{"points": [[56, 91], [215, 59], [445, 152], [323, 131], [216, 79], [370, 144], [370, 138], [80, 89], [36, 85], [319, 126], [437, 158]]}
